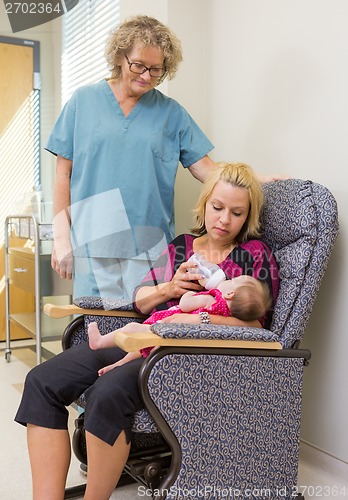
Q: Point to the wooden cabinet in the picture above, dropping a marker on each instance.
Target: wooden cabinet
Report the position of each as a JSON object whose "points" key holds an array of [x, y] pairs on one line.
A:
{"points": [[21, 268], [30, 282]]}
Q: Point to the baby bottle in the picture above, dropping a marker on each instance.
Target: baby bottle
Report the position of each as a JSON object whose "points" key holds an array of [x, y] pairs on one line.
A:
{"points": [[212, 272]]}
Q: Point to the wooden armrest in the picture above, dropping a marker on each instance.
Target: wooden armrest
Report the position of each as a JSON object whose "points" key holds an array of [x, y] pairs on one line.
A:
{"points": [[129, 342], [55, 311]]}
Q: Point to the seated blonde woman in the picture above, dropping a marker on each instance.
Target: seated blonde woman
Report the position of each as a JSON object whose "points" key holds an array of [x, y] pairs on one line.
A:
{"points": [[226, 232]]}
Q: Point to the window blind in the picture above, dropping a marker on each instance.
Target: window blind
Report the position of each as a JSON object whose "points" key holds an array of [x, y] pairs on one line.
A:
{"points": [[85, 29]]}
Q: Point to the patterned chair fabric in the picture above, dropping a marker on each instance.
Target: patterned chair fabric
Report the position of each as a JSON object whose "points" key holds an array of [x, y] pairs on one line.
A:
{"points": [[237, 432], [300, 225], [236, 416]]}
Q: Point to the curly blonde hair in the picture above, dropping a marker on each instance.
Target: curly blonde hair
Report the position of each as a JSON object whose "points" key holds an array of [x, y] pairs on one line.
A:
{"points": [[150, 32], [239, 175]]}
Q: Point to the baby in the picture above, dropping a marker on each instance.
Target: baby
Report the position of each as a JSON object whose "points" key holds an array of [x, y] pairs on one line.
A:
{"points": [[243, 297]]}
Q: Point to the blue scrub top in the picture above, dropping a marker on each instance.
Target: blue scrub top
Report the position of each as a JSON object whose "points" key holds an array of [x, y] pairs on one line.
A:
{"points": [[124, 168]]}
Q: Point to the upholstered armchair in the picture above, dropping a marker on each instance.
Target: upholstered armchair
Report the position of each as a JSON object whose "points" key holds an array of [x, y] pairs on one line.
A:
{"points": [[223, 405]]}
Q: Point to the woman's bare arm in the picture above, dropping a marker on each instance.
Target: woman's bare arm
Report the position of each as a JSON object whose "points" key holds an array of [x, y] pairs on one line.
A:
{"points": [[194, 319], [202, 168], [148, 297], [62, 259]]}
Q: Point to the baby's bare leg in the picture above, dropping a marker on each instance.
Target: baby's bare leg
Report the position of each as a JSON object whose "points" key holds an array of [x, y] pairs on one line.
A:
{"points": [[135, 327], [98, 341], [128, 357], [107, 368]]}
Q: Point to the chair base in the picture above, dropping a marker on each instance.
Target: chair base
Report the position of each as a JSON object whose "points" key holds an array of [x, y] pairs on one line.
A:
{"points": [[149, 471]]}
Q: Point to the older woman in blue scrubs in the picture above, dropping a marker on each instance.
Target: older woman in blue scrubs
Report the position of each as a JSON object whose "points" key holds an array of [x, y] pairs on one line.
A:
{"points": [[118, 144]]}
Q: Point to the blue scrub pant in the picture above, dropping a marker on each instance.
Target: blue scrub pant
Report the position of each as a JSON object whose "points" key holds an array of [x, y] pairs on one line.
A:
{"points": [[108, 278]]}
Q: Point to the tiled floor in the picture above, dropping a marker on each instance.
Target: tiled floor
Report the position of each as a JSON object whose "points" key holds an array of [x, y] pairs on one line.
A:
{"points": [[320, 476]]}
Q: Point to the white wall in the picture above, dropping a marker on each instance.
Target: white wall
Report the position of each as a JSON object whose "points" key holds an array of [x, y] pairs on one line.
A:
{"points": [[267, 82], [278, 99]]}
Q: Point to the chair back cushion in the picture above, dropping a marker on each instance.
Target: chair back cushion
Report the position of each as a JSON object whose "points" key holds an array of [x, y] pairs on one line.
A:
{"points": [[300, 225]]}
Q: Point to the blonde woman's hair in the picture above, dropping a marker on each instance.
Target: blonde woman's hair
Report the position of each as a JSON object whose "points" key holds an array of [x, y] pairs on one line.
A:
{"points": [[251, 301], [239, 175], [150, 32]]}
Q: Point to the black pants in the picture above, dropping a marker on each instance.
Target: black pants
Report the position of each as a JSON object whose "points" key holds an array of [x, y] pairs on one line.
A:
{"points": [[111, 400]]}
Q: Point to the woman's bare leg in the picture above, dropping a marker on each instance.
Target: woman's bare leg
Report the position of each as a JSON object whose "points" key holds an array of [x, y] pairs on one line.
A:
{"points": [[105, 465], [49, 454]]}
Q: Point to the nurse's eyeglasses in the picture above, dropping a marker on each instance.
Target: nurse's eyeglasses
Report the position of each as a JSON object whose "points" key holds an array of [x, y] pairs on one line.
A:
{"points": [[140, 69]]}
